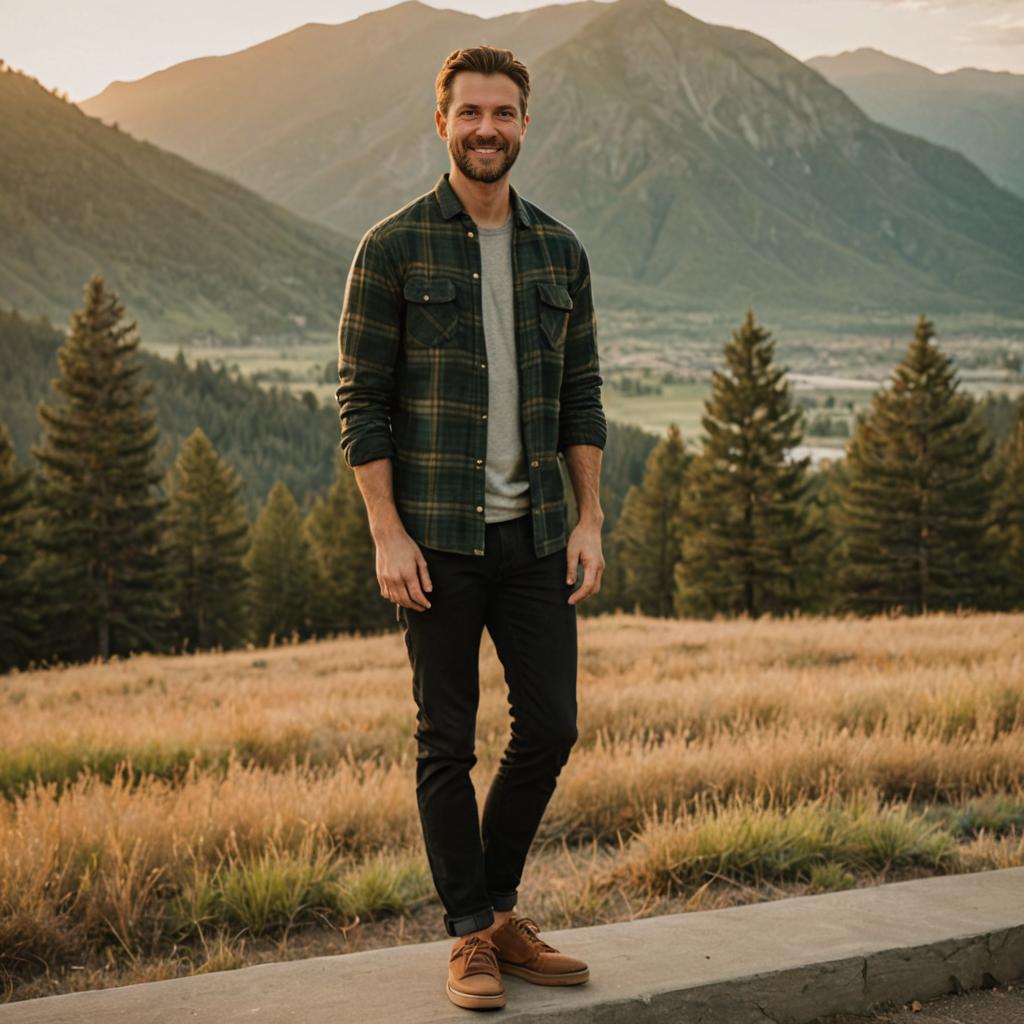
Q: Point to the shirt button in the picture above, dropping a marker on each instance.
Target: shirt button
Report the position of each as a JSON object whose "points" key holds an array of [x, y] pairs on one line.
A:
{"points": [[469, 234], [478, 551], [476, 276], [484, 416], [535, 463], [483, 366], [479, 508], [426, 298], [479, 462]]}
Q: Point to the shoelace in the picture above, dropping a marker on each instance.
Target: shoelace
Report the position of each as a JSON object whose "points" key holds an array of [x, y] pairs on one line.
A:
{"points": [[529, 928], [477, 947]]}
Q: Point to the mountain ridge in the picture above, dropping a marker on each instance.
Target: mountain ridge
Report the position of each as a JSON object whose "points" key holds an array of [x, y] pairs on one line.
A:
{"points": [[705, 160], [977, 112], [191, 251]]}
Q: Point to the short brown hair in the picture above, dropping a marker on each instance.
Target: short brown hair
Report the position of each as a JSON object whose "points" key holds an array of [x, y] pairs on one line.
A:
{"points": [[488, 60]]}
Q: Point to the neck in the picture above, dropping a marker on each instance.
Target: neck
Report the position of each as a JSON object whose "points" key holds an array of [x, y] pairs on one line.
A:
{"points": [[487, 202]]}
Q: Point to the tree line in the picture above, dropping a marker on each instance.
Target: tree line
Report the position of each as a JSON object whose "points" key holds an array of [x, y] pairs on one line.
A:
{"points": [[101, 555], [924, 513]]}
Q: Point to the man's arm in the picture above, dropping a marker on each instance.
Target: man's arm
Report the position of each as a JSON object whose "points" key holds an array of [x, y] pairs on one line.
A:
{"points": [[369, 336], [400, 565], [581, 415], [584, 547], [582, 432]]}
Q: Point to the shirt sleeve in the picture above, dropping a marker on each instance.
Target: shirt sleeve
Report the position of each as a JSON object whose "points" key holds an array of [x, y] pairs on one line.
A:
{"points": [[581, 415], [369, 335]]}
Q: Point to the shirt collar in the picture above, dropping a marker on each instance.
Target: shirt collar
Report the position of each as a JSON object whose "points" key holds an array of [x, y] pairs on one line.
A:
{"points": [[451, 204]]}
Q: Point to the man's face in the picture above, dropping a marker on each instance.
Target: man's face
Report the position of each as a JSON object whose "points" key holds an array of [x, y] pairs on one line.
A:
{"points": [[484, 127]]}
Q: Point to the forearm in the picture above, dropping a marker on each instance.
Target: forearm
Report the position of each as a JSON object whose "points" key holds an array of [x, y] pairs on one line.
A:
{"points": [[375, 481], [584, 464]]}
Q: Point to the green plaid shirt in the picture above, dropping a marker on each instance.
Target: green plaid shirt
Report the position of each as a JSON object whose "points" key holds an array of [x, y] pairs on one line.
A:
{"points": [[413, 365]]}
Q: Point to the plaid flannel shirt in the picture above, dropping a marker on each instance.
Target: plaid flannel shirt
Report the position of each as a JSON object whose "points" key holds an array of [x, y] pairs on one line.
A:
{"points": [[412, 365]]}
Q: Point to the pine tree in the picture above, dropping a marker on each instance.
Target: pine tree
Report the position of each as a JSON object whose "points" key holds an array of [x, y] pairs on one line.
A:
{"points": [[206, 537], [915, 492], [101, 568], [646, 538], [744, 526], [1008, 517], [823, 563], [280, 570], [347, 594], [18, 623]]}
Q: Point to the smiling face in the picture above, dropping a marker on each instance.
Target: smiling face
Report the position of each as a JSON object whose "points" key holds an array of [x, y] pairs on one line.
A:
{"points": [[484, 127]]}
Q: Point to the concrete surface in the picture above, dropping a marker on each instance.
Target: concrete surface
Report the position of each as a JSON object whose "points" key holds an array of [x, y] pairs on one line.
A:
{"points": [[788, 961], [1001, 1005]]}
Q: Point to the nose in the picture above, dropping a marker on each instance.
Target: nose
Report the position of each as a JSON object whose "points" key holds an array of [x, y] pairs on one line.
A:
{"points": [[485, 129]]}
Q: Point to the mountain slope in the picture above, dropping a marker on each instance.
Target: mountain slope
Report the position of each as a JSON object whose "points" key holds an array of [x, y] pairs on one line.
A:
{"points": [[980, 113], [700, 164], [190, 252], [722, 166], [299, 117]]}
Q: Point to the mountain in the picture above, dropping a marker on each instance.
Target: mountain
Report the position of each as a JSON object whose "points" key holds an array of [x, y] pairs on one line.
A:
{"points": [[980, 113], [333, 121], [700, 164], [189, 251]]}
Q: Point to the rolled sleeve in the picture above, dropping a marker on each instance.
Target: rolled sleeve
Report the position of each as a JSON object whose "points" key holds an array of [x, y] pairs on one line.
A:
{"points": [[369, 335], [581, 415]]}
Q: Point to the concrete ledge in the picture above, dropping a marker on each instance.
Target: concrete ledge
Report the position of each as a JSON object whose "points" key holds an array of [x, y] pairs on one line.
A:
{"points": [[788, 961]]}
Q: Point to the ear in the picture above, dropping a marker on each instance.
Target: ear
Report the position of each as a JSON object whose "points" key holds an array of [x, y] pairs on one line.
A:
{"points": [[441, 125], [526, 123]]}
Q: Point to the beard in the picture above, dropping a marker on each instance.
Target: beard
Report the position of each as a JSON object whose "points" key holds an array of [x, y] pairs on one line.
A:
{"points": [[462, 155]]}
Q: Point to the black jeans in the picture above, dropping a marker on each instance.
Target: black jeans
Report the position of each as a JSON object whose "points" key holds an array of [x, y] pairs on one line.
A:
{"points": [[522, 601]]}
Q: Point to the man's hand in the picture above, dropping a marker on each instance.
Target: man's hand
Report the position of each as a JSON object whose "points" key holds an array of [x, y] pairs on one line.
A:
{"points": [[402, 571], [585, 546]]}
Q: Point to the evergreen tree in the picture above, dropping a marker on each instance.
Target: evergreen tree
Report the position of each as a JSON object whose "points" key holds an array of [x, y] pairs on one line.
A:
{"points": [[206, 536], [347, 594], [744, 524], [821, 567], [1008, 516], [101, 568], [18, 624], [646, 538], [915, 492], [280, 570]]}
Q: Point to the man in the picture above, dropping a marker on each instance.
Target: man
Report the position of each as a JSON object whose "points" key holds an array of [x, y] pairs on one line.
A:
{"points": [[468, 363]]}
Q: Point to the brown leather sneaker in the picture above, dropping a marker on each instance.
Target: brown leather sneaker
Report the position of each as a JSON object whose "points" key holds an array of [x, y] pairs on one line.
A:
{"points": [[522, 952], [474, 980]]}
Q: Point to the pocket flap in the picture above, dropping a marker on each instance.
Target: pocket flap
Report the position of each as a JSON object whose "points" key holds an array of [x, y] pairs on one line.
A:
{"points": [[555, 295], [429, 289]]}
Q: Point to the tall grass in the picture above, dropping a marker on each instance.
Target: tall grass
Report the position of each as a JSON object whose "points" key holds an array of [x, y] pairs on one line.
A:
{"points": [[167, 813]]}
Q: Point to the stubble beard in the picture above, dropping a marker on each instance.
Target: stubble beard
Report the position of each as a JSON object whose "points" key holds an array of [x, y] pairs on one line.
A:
{"points": [[464, 161]]}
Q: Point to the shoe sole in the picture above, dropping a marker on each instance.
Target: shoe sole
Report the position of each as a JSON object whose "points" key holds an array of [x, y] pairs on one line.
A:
{"points": [[575, 978], [474, 1000]]}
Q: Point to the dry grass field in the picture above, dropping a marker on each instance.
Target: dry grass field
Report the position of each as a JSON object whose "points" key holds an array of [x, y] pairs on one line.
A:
{"points": [[168, 815]]}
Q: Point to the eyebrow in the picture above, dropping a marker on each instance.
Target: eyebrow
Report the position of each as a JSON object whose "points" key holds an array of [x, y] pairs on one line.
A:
{"points": [[476, 106]]}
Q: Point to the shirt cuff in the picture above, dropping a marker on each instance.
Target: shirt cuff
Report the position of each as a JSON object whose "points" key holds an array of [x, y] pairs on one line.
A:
{"points": [[367, 450]]}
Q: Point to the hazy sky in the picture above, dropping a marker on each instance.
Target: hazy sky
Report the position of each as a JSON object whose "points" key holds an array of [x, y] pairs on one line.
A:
{"points": [[80, 48]]}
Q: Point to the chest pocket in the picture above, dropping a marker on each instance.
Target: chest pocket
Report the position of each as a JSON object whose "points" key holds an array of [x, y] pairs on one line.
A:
{"points": [[431, 313], [555, 306]]}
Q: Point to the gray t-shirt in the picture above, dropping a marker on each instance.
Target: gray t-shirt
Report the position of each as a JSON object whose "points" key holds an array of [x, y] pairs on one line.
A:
{"points": [[507, 493]]}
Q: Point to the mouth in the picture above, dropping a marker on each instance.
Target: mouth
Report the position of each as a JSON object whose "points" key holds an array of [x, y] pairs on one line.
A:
{"points": [[485, 150]]}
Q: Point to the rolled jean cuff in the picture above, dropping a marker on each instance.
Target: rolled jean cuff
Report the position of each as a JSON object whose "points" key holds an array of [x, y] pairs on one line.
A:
{"points": [[504, 900], [469, 922]]}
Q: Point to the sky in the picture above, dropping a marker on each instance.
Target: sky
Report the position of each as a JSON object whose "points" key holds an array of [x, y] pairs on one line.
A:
{"points": [[80, 48]]}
